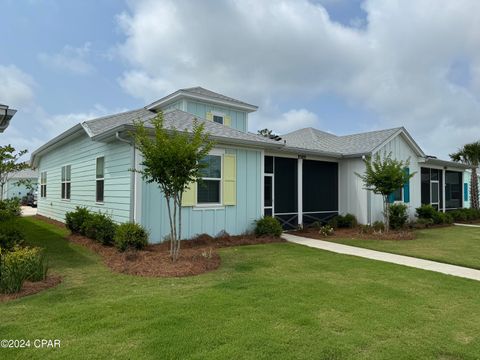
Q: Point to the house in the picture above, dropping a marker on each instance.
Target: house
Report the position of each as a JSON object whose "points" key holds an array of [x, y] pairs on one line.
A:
{"points": [[20, 184], [6, 114], [467, 189], [307, 176]]}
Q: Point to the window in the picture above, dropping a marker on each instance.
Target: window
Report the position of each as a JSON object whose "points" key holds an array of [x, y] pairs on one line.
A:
{"points": [[66, 181], [398, 195], [43, 184], [209, 189], [100, 181], [218, 119]]}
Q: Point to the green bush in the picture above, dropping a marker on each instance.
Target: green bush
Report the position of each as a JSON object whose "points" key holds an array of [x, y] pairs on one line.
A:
{"points": [[343, 221], [99, 227], [9, 209], [268, 226], [426, 212], [326, 230], [74, 220], [20, 264], [463, 215], [398, 216], [443, 218], [10, 234], [130, 236], [378, 226]]}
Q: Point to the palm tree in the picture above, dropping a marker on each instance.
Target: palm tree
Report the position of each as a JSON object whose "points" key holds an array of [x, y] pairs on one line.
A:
{"points": [[470, 155]]}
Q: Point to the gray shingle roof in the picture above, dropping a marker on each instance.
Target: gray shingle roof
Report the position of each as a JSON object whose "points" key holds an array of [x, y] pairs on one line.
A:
{"points": [[198, 90], [362, 143], [176, 119], [25, 174]]}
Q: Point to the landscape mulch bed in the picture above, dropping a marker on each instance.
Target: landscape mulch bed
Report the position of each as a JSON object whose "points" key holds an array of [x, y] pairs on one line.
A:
{"points": [[197, 256], [30, 288], [355, 233]]}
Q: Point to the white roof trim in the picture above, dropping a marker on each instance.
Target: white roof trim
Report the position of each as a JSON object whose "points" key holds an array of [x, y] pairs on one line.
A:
{"points": [[407, 137]]}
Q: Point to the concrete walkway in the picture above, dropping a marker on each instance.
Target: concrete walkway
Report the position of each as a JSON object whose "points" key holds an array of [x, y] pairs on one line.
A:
{"points": [[468, 225], [387, 257]]}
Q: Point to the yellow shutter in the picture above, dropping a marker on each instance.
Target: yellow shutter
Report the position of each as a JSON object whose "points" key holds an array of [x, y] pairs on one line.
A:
{"points": [[229, 179], [190, 195], [227, 121], [209, 116]]}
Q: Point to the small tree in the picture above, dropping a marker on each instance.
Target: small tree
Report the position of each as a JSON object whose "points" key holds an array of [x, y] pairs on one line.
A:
{"points": [[267, 133], [470, 155], [172, 159], [383, 176], [10, 164]]}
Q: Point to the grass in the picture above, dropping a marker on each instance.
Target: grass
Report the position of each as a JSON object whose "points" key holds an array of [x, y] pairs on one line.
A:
{"points": [[281, 301], [452, 245]]}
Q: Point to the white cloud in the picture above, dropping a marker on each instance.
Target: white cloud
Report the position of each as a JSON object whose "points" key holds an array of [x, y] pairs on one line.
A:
{"points": [[70, 58], [16, 87], [273, 54]]}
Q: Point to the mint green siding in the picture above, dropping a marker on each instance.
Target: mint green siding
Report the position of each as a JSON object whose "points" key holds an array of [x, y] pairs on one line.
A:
{"points": [[239, 118], [233, 219], [81, 154], [179, 105]]}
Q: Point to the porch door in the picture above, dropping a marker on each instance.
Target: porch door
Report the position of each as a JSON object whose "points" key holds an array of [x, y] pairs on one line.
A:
{"points": [[285, 184], [435, 193]]}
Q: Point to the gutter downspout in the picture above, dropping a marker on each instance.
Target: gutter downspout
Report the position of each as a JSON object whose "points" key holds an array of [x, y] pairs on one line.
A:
{"points": [[132, 176]]}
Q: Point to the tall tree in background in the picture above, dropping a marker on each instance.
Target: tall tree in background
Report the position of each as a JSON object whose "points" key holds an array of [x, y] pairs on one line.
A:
{"points": [[383, 176], [469, 154], [10, 164], [172, 160]]}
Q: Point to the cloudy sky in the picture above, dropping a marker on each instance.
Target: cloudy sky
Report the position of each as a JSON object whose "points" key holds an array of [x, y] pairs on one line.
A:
{"points": [[342, 66]]}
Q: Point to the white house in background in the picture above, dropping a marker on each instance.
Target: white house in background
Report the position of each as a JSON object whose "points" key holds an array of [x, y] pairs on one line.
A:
{"points": [[16, 188], [307, 175], [466, 190], [6, 115]]}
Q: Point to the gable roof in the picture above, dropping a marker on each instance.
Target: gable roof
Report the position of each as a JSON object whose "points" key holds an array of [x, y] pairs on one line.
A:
{"points": [[24, 174], [178, 120], [346, 145], [201, 94]]}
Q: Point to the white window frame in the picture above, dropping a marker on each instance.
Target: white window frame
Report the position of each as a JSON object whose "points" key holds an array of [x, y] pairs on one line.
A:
{"points": [[401, 197], [218, 114], [43, 183], [221, 153], [100, 179], [65, 182]]}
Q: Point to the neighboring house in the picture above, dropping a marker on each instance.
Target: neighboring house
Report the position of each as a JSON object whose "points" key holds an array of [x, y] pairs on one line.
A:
{"points": [[15, 187], [307, 176], [6, 114]]}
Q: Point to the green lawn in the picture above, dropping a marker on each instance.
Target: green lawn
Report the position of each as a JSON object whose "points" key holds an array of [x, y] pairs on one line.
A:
{"points": [[279, 301], [453, 245]]}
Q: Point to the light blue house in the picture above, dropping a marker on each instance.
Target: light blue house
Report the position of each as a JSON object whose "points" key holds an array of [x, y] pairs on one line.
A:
{"points": [[307, 176], [17, 187]]}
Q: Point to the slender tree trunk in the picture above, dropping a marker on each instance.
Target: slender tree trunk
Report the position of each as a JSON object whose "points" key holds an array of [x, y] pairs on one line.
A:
{"points": [[179, 204], [171, 226], [1, 192], [175, 246], [386, 213], [474, 200]]}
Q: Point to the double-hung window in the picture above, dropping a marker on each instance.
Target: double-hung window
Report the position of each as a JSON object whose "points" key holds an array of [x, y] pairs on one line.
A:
{"points": [[66, 181], [398, 195], [100, 179], [43, 184], [209, 188]]}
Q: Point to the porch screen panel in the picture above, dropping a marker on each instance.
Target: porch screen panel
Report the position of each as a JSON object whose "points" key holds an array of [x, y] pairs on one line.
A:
{"points": [[320, 190], [453, 190], [425, 179], [286, 205]]}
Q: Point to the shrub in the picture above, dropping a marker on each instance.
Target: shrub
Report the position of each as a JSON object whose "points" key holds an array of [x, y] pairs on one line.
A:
{"points": [[10, 234], [19, 265], [398, 216], [268, 226], [422, 223], [99, 227], [465, 215], [366, 229], [426, 212], [74, 219], [443, 218], [130, 236], [326, 230], [9, 208], [378, 226], [343, 221]]}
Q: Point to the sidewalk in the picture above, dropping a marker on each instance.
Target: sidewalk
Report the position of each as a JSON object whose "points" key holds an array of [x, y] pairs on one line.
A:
{"points": [[387, 257]]}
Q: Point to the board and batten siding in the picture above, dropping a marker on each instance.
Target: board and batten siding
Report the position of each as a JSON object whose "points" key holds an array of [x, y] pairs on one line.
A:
{"points": [[401, 150], [235, 219], [238, 118], [81, 153], [353, 198]]}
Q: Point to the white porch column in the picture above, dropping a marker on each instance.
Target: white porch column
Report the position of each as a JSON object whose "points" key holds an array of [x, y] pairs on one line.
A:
{"points": [[138, 182], [300, 191], [444, 186]]}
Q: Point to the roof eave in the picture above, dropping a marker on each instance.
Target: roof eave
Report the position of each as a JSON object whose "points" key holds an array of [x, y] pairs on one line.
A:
{"points": [[181, 94], [445, 163], [55, 141]]}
